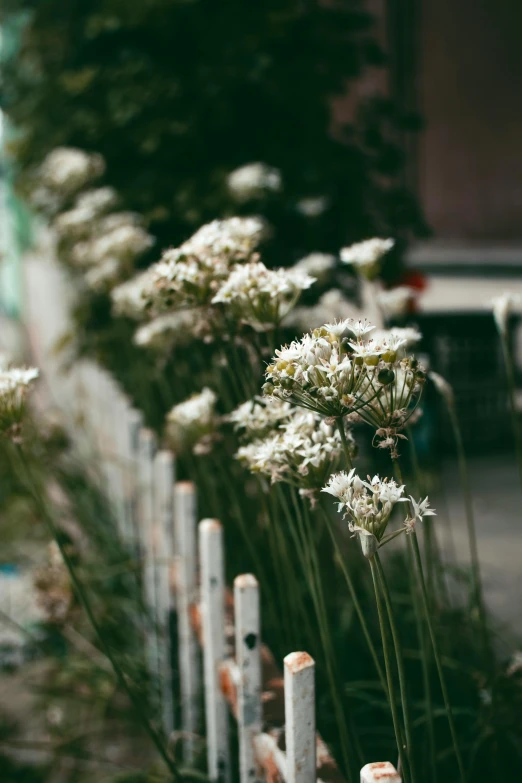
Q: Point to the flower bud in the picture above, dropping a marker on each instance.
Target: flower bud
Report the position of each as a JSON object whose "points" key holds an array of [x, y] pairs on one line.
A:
{"points": [[372, 361], [268, 388], [386, 376]]}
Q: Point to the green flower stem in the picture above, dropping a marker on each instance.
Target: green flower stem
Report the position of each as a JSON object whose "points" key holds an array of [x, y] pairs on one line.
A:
{"points": [[133, 697], [478, 594], [436, 654], [355, 600], [389, 675], [510, 377], [400, 663], [346, 449], [425, 662]]}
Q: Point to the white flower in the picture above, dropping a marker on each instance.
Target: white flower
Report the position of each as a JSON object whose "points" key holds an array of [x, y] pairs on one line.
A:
{"points": [[396, 302], [302, 451], [129, 298], [81, 221], [103, 276], [97, 201], [367, 504], [502, 307], [260, 296], [335, 377], [419, 510], [177, 328], [192, 424], [67, 170], [253, 180], [318, 265], [257, 417], [192, 273], [367, 256], [313, 207], [515, 664], [14, 386], [124, 242]]}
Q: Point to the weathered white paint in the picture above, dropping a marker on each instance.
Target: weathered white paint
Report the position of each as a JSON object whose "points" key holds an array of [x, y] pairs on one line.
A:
{"points": [[164, 515], [380, 771], [248, 660], [186, 598], [212, 583], [147, 448], [300, 718]]}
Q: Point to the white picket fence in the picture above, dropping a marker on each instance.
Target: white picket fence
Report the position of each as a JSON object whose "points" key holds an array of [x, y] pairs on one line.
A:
{"points": [[183, 571]]}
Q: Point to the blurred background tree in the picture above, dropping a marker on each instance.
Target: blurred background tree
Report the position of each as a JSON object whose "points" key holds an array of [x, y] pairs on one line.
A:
{"points": [[176, 94]]}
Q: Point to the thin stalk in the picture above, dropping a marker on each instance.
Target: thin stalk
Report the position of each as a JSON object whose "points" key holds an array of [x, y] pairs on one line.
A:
{"points": [[346, 449], [400, 663], [357, 606], [389, 675], [510, 377], [85, 602], [478, 594], [436, 654], [425, 662]]}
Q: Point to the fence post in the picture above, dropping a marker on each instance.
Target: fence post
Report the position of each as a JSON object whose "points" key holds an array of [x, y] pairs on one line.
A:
{"points": [[300, 718], [213, 623], [186, 583], [380, 770], [147, 447], [248, 660], [164, 486]]}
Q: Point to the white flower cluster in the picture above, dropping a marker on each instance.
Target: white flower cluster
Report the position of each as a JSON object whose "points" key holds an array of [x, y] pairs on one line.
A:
{"points": [[177, 328], [77, 222], [129, 298], [192, 273], [318, 265], [253, 181], [192, 425], [259, 416], [367, 256], [369, 505], [302, 451], [365, 379], [14, 387], [259, 296], [396, 302], [66, 170], [124, 243]]}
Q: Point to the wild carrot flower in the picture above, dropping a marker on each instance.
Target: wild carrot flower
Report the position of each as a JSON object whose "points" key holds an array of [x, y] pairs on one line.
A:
{"points": [[367, 256], [15, 383], [259, 296], [192, 425], [253, 181]]}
